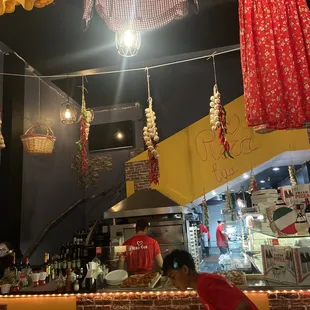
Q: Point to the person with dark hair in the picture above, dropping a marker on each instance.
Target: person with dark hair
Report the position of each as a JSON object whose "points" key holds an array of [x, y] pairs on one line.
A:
{"points": [[141, 251], [221, 237], [6, 258], [215, 292], [205, 239]]}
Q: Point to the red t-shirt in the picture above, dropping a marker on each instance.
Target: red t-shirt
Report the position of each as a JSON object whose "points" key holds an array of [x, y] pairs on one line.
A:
{"points": [[204, 229], [140, 253], [217, 293], [221, 240]]}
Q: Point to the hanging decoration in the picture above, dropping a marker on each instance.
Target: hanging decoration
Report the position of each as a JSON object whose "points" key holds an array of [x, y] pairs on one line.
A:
{"points": [[38, 142], [253, 184], [8, 6], [218, 116], [228, 204], [82, 143], [89, 118], [276, 81], [39, 139], [205, 210], [95, 165], [2, 143], [128, 18], [151, 138], [292, 173]]}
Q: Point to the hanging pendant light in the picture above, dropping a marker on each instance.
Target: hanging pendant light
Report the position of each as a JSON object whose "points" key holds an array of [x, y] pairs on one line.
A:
{"points": [[68, 113], [68, 110], [128, 42]]}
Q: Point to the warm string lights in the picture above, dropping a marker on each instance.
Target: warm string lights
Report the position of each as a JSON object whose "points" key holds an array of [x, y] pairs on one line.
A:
{"points": [[152, 293]]}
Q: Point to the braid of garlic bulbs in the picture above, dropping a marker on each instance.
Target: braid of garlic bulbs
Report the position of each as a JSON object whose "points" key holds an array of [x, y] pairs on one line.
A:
{"points": [[151, 139], [215, 109], [218, 120]]}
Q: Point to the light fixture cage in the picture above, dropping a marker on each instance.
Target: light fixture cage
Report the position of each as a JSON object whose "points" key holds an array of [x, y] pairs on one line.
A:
{"points": [[68, 113], [125, 49]]}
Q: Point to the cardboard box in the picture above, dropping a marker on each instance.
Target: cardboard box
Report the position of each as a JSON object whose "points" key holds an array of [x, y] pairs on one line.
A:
{"points": [[278, 264], [302, 265]]}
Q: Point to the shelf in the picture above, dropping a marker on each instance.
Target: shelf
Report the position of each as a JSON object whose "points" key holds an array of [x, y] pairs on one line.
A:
{"points": [[278, 237]]}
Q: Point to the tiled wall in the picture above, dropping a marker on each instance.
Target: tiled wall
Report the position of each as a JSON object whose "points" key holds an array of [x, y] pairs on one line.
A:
{"points": [[290, 301], [140, 301]]}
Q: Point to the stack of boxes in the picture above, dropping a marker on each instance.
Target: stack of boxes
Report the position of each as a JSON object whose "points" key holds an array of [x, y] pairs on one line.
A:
{"points": [[262, 200]]}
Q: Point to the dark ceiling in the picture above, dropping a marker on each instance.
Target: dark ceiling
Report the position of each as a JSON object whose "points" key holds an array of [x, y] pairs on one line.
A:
{"points": [[52, 40]]}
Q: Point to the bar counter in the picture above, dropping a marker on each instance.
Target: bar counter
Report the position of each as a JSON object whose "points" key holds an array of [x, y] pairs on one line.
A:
{"points": [[265, 297]]}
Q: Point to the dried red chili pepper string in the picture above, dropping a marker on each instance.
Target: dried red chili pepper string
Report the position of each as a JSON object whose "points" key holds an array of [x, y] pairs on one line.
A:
{"points": [[82, 143]]}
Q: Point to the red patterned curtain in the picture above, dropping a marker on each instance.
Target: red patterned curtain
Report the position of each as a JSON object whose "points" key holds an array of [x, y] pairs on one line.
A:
{"points": [[137, 14], [275, 55]]}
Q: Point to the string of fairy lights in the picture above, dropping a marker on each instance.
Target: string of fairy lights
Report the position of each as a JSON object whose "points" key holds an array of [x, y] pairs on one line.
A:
{"points": [[152, 293]]}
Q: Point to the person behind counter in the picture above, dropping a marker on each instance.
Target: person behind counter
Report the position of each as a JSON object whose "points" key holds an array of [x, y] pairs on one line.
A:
{"points": [[141, 251], [215, 292], [6, 258], [205, 239], [221, 237]]}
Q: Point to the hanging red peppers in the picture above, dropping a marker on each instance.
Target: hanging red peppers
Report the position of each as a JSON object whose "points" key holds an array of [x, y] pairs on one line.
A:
{"points": [[82, 143], [218, 120]]}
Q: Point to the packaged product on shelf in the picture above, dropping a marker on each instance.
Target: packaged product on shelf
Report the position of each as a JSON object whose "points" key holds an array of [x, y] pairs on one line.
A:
{"points": [[302, 265], [278, 264]]}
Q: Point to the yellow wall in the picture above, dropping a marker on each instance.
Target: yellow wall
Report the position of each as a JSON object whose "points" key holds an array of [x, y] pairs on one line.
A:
{"points": [[191, 160], [39, 303]]}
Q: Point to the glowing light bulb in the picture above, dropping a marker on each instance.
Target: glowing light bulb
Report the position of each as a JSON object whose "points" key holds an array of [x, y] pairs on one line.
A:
{"points": [[119, 136], [67, 113], [128, 42], [129, 38]]}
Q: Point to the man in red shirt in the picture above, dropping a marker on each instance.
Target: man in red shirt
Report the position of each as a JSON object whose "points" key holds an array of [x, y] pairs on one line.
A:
{"points": [[215, 292], [221, 237], [141, 251]]}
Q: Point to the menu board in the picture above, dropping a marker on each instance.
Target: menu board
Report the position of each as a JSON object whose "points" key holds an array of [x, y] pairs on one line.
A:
{"points": [[302, 265], [278, 264]]}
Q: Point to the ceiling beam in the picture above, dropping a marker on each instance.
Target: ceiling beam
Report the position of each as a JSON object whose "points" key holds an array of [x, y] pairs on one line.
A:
{"points": [[148, 63]]}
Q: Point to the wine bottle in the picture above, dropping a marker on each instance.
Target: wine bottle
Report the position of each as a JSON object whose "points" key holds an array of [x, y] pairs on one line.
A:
{"points": [[27, 263], [13, 267]]}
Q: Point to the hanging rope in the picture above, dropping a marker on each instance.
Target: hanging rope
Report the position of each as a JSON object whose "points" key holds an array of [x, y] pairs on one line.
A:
{"points": [[150, 135], [214, 69]]}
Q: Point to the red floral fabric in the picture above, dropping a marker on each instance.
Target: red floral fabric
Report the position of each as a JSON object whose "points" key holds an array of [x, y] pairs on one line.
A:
{"points": [[275, 57]]}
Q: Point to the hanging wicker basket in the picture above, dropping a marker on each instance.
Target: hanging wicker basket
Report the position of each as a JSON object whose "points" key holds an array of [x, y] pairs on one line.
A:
{"points": [[36, 143]]}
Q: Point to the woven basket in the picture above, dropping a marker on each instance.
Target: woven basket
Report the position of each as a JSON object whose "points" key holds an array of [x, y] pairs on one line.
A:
{"points": [[38, 144]]}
